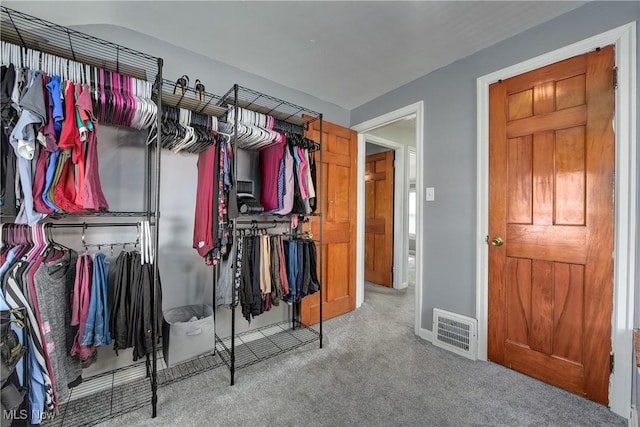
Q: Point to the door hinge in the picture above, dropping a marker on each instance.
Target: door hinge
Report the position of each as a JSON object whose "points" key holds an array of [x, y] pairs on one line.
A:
{"points": [[612, 362], [615, 77]]}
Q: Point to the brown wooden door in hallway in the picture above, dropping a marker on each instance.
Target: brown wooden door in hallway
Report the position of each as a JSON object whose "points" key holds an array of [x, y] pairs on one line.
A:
{"points": [[551, 180], [338, 207], [378, 249]]}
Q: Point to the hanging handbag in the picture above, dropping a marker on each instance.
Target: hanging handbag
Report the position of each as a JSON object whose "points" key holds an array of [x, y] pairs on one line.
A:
{"points": [[10, 347]]}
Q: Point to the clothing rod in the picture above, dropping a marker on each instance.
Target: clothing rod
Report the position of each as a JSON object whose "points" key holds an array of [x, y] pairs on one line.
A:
{"points": [[264, 222], [92, 224], [268, 221]]}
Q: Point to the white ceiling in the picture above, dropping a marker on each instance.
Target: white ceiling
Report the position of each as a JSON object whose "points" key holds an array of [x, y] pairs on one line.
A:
{"points": [[344, 52]]}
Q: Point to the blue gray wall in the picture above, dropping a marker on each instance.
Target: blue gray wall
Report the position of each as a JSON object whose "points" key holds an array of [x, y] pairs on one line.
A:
{"points": [[217, 76], [449, 146]]}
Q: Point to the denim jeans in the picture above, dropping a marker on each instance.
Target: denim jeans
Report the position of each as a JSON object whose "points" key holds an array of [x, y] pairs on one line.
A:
{"points": [[96, 329]]}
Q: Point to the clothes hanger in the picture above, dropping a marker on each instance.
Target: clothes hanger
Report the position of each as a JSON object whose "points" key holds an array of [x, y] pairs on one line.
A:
{"points": [[131, 91], [151, 108], [126, 102], [115, 100], [3, 242], [147, 233], [33, 251], [138, 111]]}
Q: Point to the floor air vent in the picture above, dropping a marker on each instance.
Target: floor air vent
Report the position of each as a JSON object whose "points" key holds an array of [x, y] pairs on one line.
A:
{"points": [[455, 333]]}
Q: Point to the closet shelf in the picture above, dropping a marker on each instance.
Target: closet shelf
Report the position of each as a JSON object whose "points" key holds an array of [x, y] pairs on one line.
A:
{"points": [[35, 33], [264, 343], [266, 104], [207, 103], [109, 394], [100, 397]]}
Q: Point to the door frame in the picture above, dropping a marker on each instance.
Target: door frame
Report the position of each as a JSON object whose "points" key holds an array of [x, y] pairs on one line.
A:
{"points": [[624, 39], [362, 128], [400, 223]]}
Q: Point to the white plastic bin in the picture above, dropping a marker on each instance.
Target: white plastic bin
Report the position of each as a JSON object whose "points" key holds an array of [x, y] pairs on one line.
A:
{"points": [[187, 332]]}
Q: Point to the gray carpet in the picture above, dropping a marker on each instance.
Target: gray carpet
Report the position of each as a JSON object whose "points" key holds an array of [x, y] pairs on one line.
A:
{"points": [[373, 371]]}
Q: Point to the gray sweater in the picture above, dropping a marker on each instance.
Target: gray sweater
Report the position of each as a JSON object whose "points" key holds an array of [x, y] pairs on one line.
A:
{"points": [[52, 281]]}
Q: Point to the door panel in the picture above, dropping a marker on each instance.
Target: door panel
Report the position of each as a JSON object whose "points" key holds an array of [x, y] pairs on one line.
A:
{"points": [[337, 182], [338, 207], [378, 266], [551, 183]]}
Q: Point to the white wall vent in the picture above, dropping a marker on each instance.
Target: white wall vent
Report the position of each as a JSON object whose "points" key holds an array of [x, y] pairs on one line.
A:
{"points": [[455, 333]]}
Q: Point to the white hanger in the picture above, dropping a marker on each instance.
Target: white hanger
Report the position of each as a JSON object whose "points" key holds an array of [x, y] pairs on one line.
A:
{"points": [[141, 239], [190, 137], [43, 64], [149, 242], [2, 242], [73, 71], [151, 109], [143, 109], [7, 53], [17, 61]]}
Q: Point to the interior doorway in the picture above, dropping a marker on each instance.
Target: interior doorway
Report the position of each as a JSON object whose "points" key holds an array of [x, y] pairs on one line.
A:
{"points": [[379, 215], [398, 131], [625, 197]]}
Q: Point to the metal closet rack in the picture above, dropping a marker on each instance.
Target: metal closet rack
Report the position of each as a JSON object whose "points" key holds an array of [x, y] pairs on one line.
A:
{"points": [[34, 33], [205, 103], [268, 346], [202, 105]]}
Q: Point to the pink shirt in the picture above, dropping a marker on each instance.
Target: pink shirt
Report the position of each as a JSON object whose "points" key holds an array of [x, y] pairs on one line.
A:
{"points": [[269, 169]]}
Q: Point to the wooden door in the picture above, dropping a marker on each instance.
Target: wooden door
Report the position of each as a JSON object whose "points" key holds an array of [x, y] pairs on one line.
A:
{"points": [[338, 207], [551, 201], [378, 233]]}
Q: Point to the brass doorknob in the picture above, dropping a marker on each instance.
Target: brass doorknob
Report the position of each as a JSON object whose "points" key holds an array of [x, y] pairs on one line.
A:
{"points": [[497, 241]]}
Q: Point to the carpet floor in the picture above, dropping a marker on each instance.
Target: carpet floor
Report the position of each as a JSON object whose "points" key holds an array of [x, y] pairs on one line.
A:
{"points": [[372, 371]]}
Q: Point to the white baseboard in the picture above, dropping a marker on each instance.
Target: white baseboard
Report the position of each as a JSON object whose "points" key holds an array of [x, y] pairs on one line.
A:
{"points": [[426, 334], [403, 285], [633, 420]]}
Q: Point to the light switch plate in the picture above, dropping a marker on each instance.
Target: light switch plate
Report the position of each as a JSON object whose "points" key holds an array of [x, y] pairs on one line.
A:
{"points": [[431, 194]]}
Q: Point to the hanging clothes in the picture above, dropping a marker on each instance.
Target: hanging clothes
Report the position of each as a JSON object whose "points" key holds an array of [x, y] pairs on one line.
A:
{"points": [[119, 301], [204, 226], [90, 195], [313, 201], [8, 119], [23, 140], [53, 282], [96, 331], [41, 393], [42, 111], [211, 231], [68, 301], [81, 301], [270, 269], [35, 275], [226, 280], [130, 312], [288, 189], [271, 186]]}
